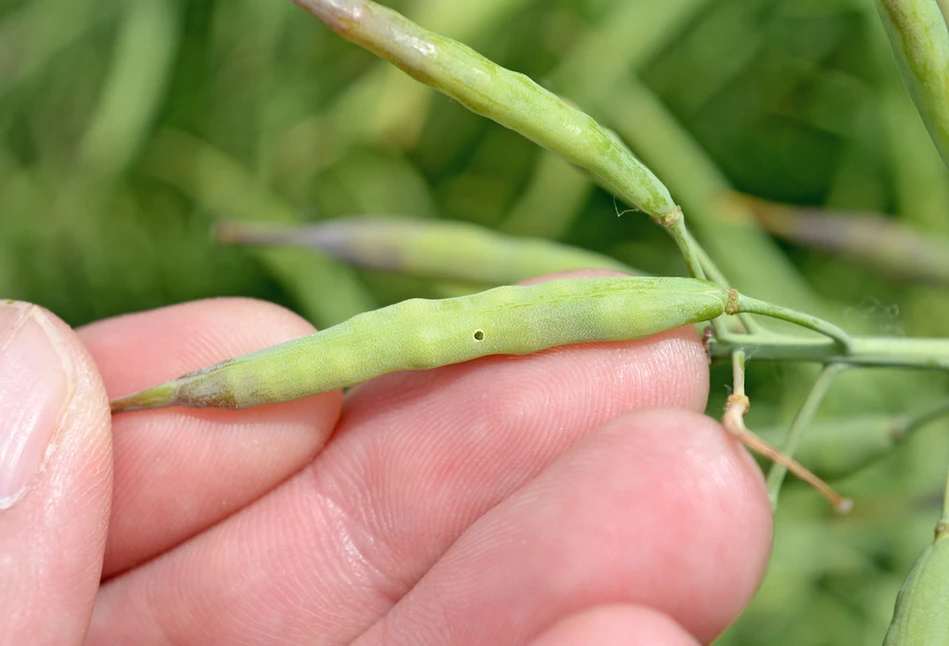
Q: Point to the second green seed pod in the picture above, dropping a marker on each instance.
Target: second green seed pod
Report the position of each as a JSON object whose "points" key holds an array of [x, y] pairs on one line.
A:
{"points": [[921, 617]]}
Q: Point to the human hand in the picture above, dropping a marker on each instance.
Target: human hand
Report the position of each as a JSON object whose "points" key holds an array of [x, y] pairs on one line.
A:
{"points": [[569, 497]]}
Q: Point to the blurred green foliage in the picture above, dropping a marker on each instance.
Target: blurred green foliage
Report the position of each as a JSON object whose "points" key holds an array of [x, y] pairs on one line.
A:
{"points": [[129, 126]]}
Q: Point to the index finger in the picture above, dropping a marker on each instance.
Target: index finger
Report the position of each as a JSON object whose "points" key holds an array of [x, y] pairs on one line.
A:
{"points": [[179, 471]]}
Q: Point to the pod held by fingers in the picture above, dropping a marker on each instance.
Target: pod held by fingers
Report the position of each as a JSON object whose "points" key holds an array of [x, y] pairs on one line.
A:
{"points": [[419, 334]]}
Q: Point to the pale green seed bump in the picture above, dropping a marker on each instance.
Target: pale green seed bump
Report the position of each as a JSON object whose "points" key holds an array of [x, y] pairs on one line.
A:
{"points": [[921, 616], [419, 334]]}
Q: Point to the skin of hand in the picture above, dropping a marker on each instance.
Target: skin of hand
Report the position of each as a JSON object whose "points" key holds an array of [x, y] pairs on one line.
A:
{"points": [[574, 496]]}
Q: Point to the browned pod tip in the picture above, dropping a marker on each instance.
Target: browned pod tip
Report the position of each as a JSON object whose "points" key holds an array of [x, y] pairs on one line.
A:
{"points": [[158, 397]]}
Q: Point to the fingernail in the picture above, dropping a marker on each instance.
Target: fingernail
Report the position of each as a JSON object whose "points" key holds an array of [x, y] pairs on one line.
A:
{"points": [[34, 384]]}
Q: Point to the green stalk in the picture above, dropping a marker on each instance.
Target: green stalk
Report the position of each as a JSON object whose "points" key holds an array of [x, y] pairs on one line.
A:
{"points": [[608, 48], [748, 323], [141, 66], [723, 226], [552, 199], [220, 185], [943, 525], [734, 423], [32, 34], [911, 424], [803, 419], [875, 351], [750, 305]]}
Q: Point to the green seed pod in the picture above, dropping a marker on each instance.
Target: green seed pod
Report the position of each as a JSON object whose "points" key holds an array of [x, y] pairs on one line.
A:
{"points": [[418, 334], [920, 40], [921, 617], [511, 99], [443, 249]]}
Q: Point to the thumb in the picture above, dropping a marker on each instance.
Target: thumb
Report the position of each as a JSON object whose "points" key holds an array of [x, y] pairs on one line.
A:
{"points": [[55, 478]]}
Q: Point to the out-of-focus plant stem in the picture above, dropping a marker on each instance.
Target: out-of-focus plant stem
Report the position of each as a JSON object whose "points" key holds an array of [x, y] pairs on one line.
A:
{"points": [[222, 187], [749, 258], [144, 54], [881, 243], [552, 199]]}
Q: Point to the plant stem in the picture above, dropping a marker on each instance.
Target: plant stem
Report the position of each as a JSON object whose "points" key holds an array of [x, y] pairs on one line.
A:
{"points": [[801, 421], [674, 223], [713, 273], [869, 351], [699, 186], [755, 306], [912, 424], [734, 422], [944, 521], [221, 185]]}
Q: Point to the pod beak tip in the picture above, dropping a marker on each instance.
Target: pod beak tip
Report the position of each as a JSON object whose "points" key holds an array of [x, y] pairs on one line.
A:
{"points": [[157, 397]]}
